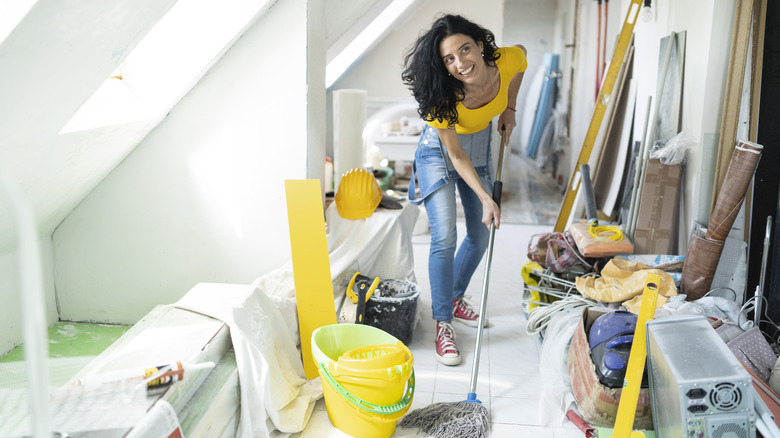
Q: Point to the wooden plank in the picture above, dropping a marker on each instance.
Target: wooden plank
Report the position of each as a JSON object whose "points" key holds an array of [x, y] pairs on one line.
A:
{"points": [[757, 65], [626, 73], [311, 265], [733, 96], [614, 180]]}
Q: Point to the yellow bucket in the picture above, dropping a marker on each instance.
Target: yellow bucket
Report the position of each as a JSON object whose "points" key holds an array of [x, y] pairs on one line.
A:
{"points": [[375, 373], [367, 378]]}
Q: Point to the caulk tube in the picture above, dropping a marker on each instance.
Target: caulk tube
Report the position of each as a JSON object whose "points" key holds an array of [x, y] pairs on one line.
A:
{"points": [[152, 377], [158, 377]]}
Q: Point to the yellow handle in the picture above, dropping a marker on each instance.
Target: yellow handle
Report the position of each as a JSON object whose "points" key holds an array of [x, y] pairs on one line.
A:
{"points": [[343, 370], [351, 292]]}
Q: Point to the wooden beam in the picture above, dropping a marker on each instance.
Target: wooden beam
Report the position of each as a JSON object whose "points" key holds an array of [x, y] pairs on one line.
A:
{"points": [[757, 65], [736, 76]]}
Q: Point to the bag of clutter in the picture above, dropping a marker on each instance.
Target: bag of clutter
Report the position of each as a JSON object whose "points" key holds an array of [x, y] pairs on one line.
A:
{"points": [[555, 250]]}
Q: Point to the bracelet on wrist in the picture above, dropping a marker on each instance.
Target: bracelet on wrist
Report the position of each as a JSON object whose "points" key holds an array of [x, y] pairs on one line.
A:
{"points": [[509, 107]]}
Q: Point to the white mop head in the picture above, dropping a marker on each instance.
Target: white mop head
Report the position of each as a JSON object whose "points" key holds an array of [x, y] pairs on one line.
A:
{"points": [[449, 420]]}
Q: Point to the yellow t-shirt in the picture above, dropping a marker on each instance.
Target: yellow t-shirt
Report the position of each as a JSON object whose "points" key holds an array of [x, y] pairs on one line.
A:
{"points": [[512, 61]]}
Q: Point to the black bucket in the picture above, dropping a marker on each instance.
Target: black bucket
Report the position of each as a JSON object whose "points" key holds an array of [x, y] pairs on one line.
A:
{"points": [[393, 308]]}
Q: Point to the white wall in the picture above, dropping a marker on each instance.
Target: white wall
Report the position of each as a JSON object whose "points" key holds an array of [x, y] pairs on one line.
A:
{"points": [[202, 199], [10, 311]]}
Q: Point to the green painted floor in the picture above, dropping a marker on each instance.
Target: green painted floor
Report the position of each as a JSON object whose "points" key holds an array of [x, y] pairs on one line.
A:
{"points": [[74, 339], [72, 345]]}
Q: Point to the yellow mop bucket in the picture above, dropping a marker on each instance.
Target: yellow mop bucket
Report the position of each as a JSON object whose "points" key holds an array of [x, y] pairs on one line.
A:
{"points": [[367, 378]]}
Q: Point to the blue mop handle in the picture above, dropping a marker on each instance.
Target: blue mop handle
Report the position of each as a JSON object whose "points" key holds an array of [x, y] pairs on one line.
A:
{"points": [[497, 187]]}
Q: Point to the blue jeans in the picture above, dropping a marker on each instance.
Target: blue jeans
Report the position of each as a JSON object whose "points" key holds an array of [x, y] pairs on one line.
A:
{"points": [[449, 271]]}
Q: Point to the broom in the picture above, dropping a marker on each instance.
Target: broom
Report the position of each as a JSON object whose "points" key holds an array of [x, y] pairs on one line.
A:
{"points": [[468, 418]]}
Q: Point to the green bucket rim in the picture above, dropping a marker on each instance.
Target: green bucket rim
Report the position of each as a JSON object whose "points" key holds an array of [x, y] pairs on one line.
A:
{"points": [[382, 337], [368, 406]]}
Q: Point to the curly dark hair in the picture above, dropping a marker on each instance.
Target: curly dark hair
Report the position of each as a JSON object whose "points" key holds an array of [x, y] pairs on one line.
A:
{"points": [[436, 92]]}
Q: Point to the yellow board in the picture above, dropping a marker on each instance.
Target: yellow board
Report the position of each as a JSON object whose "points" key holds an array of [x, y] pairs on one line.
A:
{"points": [[311, 265], [629, 397]]}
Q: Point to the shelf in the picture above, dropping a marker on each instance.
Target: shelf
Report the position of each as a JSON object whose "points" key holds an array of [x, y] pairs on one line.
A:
{"points": [[397, 147]]}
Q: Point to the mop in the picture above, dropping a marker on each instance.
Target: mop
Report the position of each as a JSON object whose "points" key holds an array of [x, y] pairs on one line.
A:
{"points": [[468, 418]]}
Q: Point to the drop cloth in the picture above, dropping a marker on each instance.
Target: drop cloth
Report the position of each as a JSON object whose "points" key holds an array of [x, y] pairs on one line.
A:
{"points": [[276, 399], [378, 246]]}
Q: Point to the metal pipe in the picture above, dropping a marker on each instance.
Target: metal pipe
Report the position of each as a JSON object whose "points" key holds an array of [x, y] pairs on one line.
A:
{"points": [[759, 295], [36, 345], [553, 279], [497, 188]]}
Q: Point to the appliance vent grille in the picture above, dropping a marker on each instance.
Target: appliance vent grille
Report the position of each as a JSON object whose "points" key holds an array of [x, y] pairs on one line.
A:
{"points": [[725, 396], [729, 430]]}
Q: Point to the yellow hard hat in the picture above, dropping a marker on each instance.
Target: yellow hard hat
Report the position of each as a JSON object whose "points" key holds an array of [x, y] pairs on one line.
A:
{"points": [[358, 194]]}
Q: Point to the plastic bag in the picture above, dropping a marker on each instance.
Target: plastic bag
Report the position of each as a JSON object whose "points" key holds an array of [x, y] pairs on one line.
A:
{"points": [[673, 151], [556, 395], [556, 251]]}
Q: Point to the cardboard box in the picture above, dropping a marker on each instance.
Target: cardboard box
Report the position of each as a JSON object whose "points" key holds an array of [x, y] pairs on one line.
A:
{"points": [[596, 403], [655, 220]]}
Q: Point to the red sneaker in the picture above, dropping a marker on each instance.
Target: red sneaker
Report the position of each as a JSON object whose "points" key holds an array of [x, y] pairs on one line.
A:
{"points": [[463, 312], [446, 350]]}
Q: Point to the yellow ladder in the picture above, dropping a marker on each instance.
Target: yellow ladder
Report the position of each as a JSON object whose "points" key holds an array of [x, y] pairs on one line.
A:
{"points": [[598, 113]]}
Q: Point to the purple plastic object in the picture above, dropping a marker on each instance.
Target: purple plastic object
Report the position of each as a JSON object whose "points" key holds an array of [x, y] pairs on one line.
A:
{"points": [[609, 325]]}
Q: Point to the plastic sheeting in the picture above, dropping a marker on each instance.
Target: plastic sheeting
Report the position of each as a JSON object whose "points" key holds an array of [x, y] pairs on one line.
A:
{"points": [[276, 399], [556, 396], [379, 246]]}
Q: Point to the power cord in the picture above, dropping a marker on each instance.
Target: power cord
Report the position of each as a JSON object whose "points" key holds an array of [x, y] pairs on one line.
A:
{"points": [[750, 306], [540, 317]]}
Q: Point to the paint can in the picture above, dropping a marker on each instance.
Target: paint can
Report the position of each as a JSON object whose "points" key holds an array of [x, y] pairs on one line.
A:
{"points": [[393, 308]]}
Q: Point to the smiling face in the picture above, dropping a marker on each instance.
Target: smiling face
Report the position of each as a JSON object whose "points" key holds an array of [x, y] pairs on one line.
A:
{"points": [[462, 57]]}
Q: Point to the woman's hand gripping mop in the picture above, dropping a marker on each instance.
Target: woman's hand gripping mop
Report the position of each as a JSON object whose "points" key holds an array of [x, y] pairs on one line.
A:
{"points": [[468, 418]]}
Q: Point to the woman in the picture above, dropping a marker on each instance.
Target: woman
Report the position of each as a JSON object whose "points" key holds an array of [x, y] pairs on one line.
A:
{"points": [[461, 81]]}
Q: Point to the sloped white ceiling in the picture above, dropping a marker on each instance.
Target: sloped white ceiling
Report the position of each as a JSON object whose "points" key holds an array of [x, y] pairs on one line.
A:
{"points": [[52, 62]]}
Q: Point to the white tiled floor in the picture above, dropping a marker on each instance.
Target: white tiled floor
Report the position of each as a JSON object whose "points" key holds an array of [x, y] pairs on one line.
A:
{"points": [[509, 382]]}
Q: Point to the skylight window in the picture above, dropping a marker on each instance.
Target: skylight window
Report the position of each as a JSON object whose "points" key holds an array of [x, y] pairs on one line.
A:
{"points": [[375, 30], [170, 59]]}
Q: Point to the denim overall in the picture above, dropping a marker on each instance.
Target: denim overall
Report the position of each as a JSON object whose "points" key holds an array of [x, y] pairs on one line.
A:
{"points": [[449, 272]]}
